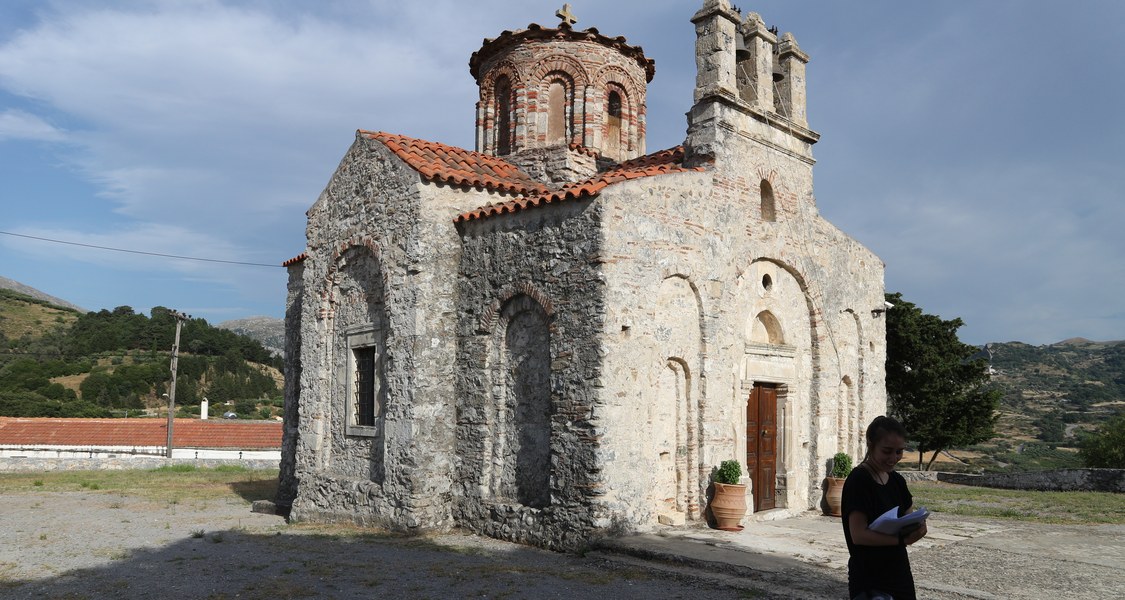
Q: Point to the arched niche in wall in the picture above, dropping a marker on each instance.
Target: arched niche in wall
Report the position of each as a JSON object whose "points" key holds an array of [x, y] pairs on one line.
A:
{"points": [[769, 204], [673, 419], [766, 329], [360, 358], [518, 453]]}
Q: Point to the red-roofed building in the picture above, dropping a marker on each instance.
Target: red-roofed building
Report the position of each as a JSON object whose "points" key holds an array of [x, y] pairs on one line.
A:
{"points": [[560, 333], [192, 438]]}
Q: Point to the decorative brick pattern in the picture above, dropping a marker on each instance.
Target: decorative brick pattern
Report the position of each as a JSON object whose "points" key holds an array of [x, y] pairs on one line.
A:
{"points": [[590, 63], [488, 317]]}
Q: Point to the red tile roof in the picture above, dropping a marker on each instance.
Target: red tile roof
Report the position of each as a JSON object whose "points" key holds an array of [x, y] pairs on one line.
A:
{"points": [[187, 433], [459, 167], [657, 163], [292, 261], [491, 46], [456, 166]]}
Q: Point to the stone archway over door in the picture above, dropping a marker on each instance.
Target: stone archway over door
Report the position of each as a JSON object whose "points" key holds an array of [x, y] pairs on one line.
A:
{"points": [[761, 444]]}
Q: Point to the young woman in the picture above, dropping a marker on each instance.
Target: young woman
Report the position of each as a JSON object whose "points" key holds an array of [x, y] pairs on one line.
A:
{"points": [[878, 563]]}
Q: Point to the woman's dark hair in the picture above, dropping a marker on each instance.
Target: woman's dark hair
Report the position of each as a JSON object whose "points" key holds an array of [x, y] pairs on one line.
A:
{"points": [[880, 428]]}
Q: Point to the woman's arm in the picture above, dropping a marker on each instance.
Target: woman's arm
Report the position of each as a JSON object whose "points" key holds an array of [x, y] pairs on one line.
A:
{"points": [[862, 536]]}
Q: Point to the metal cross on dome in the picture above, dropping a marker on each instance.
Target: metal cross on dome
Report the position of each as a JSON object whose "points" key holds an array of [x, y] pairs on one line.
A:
{"points": [[567, 17]]}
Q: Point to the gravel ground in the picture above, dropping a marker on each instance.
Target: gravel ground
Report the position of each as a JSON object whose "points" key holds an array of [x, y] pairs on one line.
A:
{"points": [[93, 545], [79, 545], [1026, 561]]}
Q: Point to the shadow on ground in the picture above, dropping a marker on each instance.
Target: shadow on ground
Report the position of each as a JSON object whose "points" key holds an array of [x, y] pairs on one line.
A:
{"points": [[255, 489], [294, 564]]}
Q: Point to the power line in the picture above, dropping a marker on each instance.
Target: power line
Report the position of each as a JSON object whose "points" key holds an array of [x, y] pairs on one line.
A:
{"points": [[213, 260]]}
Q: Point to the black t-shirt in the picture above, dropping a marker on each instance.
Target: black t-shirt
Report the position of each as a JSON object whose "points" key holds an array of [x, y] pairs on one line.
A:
{"points": [[883, 568]]}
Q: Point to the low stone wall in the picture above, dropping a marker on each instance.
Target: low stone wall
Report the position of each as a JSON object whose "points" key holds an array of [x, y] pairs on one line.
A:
{"points": [[120, 463], [1062, 480], [918, 475]]}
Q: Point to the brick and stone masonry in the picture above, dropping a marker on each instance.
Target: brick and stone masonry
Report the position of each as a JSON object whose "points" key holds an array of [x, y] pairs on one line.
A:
{"points": [[555, 337]]}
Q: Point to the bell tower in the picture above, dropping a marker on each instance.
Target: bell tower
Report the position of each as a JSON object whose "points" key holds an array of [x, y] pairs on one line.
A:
{"points": [[750, 80], [559, 95]]}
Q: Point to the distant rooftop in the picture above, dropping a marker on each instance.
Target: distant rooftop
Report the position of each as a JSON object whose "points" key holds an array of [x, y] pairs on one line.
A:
{"points": [[187, 433]]}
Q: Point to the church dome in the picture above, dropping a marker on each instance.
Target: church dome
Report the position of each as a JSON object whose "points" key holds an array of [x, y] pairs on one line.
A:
{"points": [[543, 87]]}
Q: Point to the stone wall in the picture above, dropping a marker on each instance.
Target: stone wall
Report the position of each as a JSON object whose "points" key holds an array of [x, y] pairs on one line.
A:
{"points": [[382, 262], [581, 366], [287, 477], [1062, 480], [531, 308], [775, 296]]}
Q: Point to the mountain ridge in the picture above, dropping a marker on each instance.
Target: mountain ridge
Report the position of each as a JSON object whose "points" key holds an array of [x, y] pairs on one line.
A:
{"points": [[268, 331], [27, 290]]}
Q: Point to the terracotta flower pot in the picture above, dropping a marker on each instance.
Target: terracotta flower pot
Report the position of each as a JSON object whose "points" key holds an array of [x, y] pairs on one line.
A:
{"points": [[729, 505], [833, 495]]}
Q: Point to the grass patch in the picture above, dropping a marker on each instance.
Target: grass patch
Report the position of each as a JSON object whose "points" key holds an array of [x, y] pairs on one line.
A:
{"points": [[1073, 508], [177, 468], [166, 484]]}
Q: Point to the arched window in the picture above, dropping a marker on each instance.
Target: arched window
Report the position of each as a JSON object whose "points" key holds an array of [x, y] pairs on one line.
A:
{"points": [[556, 116], [503, 116], [613, 125], [769, 209]]}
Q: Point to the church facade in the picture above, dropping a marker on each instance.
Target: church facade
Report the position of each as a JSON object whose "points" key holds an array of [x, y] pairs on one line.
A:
{"points": [[559, 335]]}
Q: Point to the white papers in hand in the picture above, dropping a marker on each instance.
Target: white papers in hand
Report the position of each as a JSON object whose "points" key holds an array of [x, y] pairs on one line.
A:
{"points": [[891, 524]]}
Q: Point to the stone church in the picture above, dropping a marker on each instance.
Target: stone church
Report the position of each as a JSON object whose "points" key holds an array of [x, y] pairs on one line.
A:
{"points": [[559, 334]]}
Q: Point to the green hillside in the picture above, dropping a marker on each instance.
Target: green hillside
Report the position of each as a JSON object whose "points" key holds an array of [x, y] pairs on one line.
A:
{"points": [[1053, 395], [57, 362], [25, 318]]}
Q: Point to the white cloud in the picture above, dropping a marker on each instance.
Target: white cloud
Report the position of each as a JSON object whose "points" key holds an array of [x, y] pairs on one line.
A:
{"points": [[216, 107], [19, 125], [981, 164]]}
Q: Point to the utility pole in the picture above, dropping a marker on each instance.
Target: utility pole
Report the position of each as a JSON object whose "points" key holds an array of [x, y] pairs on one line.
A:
{"points": [[180, 318]]}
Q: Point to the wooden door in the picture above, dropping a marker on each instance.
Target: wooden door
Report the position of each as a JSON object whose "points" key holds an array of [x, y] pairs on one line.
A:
{"points": [[761, 444]]}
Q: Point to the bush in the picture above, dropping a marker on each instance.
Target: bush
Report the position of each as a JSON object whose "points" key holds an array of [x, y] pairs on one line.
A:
{"points": [[1035, 456], [245, 407], [729, 472], [841, 465], [1105, 448]]}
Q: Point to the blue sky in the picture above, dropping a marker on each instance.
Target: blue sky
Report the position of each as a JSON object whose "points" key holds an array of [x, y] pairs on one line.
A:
{"points": [[977, 147]]}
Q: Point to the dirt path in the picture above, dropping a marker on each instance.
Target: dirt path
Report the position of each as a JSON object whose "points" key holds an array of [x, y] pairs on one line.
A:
{"points": [[94, 545]]}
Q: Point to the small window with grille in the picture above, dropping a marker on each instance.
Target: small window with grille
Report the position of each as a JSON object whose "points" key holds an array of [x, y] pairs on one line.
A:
{"points": [[365, 390], [365, 399]]}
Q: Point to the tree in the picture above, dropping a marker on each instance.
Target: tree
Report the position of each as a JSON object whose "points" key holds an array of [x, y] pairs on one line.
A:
{"points": [[1105, 448], [1052, 429], [934, 386]]}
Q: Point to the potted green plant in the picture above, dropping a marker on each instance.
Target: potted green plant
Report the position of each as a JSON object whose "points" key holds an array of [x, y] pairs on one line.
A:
{"points": [[728, 505], [841, 467]]}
